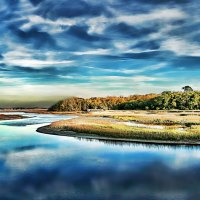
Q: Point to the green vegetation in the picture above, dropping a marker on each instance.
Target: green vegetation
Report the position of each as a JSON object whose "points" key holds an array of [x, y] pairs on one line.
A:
{"points": [[187, 88], [106, 103], [166, 101], [188, 100]]}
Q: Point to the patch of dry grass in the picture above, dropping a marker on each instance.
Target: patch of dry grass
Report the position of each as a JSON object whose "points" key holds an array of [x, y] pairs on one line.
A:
{"points": [[166, 118], [115, 129]]}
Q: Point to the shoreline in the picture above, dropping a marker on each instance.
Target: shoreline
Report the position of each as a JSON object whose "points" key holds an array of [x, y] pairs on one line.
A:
{"points": [[124, 128], [4, 117], [67, 133], [43, 111]]}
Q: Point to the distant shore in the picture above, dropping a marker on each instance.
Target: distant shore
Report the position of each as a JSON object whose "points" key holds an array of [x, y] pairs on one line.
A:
{"points": [[42, 111], [10, 117]]}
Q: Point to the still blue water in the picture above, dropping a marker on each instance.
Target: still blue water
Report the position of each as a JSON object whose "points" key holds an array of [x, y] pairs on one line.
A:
{"points": [[35, 166]]}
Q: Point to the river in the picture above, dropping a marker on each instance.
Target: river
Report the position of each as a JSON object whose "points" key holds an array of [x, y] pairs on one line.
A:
{"points": [[35, 166]]}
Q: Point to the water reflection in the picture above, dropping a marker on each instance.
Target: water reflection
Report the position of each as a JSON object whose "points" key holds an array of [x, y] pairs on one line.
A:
{"points": [[38, 166], [146, 145]]}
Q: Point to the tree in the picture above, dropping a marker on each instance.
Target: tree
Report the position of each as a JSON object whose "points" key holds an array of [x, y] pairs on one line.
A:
{"points": [[187, 88], [166, 92]]}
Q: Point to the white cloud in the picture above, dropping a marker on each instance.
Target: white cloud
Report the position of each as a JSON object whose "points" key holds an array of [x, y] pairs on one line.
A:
{"points": [[181, 47], [161, 15], [132, 71], [18, 53], [139, 51], [97, 24], [23, 58], [124, 46], [115, 79], [154, 67], [93, 52], [51, 26], [36, 63]]}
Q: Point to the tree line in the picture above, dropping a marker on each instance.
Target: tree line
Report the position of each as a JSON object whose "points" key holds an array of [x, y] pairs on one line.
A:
{"points": [[106, 103], [188, 100]]}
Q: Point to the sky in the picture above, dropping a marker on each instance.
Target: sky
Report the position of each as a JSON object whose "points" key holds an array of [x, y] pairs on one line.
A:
{"points": [[53, 49]]}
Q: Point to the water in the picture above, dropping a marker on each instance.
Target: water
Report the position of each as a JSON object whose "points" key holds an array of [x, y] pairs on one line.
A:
{"points": [[36, 166]]}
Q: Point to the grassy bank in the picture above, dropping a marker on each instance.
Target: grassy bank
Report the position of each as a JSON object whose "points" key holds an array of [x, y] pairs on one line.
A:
{"points": [[112, 128]]}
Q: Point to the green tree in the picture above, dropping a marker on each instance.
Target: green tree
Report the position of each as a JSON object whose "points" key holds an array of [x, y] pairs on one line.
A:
{"points": [[187, 88]]}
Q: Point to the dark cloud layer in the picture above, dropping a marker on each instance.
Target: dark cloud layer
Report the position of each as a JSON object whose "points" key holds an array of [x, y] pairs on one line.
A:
{"points": [[36, 2], [148, 44], [66, 8], [131, 31], [165, 1], [35, 37], [81, 32]]}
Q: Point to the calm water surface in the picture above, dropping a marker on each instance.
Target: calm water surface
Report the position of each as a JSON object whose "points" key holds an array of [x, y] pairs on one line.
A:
{"points": [[36, 166]]}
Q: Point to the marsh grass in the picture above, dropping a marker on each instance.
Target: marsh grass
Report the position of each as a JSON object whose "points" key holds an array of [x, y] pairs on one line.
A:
{"points": [[182, 121], [115, 129]]}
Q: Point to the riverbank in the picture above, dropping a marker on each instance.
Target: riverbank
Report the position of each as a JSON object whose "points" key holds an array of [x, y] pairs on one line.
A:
{"points": [[42, 111], [51, 131], [104, 128], [10, 117]]}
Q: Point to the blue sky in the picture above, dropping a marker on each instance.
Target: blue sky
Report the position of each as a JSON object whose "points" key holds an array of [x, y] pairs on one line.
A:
{"points": [[89, 48]]}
